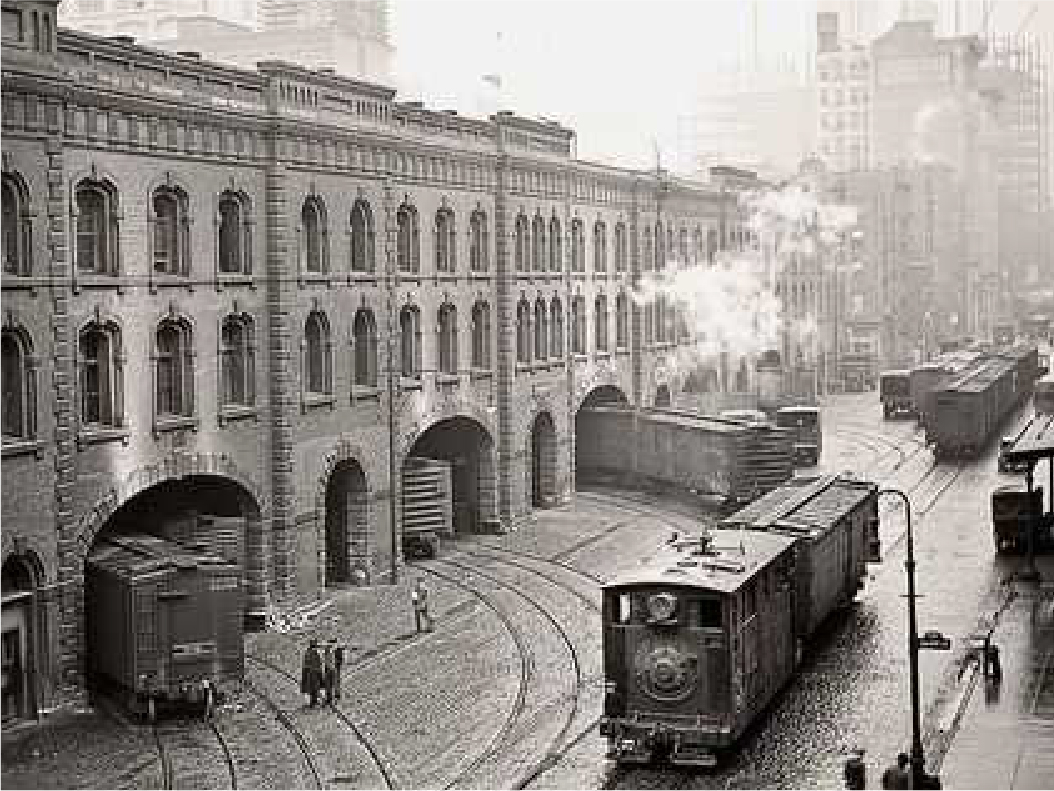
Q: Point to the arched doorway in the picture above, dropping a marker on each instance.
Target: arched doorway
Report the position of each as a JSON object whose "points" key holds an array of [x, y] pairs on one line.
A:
{"points": [[662, 396], [460, 450], [597, 445], [543, 461], [347, 523], [20, 638]]}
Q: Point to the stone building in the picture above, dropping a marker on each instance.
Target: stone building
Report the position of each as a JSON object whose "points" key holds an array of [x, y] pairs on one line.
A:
{"points": [[250, 297]]}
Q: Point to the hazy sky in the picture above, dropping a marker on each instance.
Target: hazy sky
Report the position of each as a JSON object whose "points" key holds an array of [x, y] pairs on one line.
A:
{"points": [[618, 71]]}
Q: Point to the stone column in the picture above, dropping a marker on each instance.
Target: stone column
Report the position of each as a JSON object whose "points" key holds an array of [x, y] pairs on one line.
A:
{"points": [[505, 281]]}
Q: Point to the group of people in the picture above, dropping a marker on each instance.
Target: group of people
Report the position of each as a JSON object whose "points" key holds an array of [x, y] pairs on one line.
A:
{"points": [[321, 671], [899, 775], [320, 675]]}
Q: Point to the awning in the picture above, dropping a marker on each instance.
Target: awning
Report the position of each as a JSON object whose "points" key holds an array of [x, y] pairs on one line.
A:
{"points": [[1035, 442]]}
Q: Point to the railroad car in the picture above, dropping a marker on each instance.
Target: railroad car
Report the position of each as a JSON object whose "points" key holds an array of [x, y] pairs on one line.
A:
{"points": [[926, 379], [806, 425], [699, 639], [1013, 512], [733, 459], [162, 618], [1044, 396], [894, 391], [968, 410]]}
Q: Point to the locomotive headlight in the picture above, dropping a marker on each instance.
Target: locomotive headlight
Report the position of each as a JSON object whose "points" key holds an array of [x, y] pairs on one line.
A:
{"points": [[662, 606]]}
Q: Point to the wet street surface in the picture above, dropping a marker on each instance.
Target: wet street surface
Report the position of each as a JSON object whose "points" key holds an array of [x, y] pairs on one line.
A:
{"points": [[507, 690]]}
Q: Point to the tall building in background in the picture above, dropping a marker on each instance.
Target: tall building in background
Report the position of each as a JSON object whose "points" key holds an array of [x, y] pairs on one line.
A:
{"points": [[843, 86], [351, 37]]}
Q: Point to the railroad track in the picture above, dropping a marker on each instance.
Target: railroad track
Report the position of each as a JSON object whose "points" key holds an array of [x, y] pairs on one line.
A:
{"points": [[287, 722], [526, 713], [180, 755], [318, 756]]}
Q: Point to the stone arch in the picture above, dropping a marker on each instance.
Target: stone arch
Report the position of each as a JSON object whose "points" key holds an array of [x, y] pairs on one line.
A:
{"points": [[346, 456], [542, 467], [26, 628]]}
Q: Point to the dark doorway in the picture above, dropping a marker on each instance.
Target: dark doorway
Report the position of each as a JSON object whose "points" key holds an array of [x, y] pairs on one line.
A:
{"points": [[543, 461], [346, 522], [662, 396]]}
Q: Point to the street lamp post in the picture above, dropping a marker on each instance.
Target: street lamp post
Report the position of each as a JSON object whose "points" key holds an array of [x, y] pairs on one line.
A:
{"points": [[919, 779]]}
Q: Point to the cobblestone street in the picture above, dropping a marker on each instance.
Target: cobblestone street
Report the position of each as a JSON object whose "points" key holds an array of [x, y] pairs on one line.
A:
{"points": [[507, 690]]}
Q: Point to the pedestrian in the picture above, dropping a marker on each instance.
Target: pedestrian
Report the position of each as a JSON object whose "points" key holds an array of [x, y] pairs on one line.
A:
{"points": [[311, 673], [855, 770], [338, 664], [327, 670], [899, 774], [207, 699], [993, 668], [419, 596]]}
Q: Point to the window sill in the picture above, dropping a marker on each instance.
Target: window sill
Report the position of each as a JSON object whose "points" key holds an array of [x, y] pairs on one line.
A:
{"points": [[523, 367], [622, 351], [95, 280], [228, 280], [580, 358], [23, 447], [447, 379], [12, 282], [410, 383], [316, 400], [480, 373], [363, 277], [602, 354], [542, 365], [314, 279], [238, 412], [175, 423], [365, 393], [95, 435], [170, 281]]}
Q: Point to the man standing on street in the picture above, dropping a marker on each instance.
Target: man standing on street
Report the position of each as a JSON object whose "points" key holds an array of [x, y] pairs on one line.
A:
{"points": [[311, 674], [419, 597], [856, 771], [898, 776], [338, 664]]}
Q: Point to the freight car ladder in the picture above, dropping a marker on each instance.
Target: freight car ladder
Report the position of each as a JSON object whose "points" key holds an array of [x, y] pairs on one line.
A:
{"points": [[427, 512], [767, 459]]}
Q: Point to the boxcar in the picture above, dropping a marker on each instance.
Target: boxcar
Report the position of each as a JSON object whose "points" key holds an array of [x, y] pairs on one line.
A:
{"points": [[698, 640], [1044, 395], [970, 409], [1013, 512], [734, 460], [161, 618], [805, 424], [836, 520]]}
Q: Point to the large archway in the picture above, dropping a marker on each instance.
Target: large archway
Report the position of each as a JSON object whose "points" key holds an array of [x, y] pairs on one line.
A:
{"points": [[21, 636], [210, 512], [597, 445], [458, 449], [542, 471], [663, 399], [347, 524]]}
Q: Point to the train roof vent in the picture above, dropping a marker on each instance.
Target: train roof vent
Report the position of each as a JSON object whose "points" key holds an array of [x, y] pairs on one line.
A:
{"points": [[725, 565]]}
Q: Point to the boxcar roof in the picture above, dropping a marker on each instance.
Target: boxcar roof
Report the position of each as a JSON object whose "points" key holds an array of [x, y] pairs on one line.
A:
{"points": [[1035, 442], [732, 559], [803, 506], [708, 422], [134, 555], [979, 378]]}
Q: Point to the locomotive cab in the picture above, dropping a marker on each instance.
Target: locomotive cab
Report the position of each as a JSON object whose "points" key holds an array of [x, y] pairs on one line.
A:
{"points": [[695, 646]]}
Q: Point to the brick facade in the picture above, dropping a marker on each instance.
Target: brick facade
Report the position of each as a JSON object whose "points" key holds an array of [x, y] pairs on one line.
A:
{"points": [[79, 108]]}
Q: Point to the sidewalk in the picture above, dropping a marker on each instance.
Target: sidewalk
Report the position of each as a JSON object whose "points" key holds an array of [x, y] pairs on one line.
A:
{"points": [[1005, 735]]}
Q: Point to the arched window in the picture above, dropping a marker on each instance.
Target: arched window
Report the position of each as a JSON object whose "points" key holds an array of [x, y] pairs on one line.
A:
{"points": [[362, 240], [481, 336], [541, 329], [578, 247], [523, 331], [447, 332], [313, 237], [445, 241], [478, 242], [660, 248], [234, 235], [19, 387], [96, 224], [17, 226], [318, 378], [556, 246], [669, 250], [646, 253], [600, 321], [409, 247], [621, 321], [410, 337], [101, 375], [538, 243], [365, 331], [683, 245], [174, 362], [698, 246], [742, 376], [238, 361], [556, 315], [649, 322], [600, 247], [711, 245], [171, 231], [578, 325], [522, 244], [620, 247]]}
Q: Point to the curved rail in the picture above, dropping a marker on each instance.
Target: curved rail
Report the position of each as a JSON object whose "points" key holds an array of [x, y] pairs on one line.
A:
{"points": [[287, 722], [168, 771], [367, 745]]}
